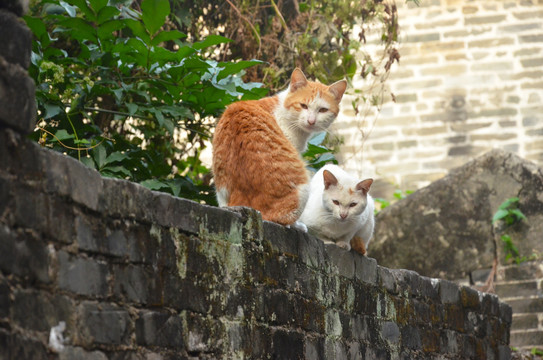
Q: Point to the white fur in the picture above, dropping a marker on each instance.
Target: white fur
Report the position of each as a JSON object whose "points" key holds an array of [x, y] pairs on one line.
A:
{"points": [[299, 126], [223, 196], [323, 218]]}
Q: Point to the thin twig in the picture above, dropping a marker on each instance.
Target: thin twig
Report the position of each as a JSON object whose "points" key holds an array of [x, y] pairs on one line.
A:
{"points": [[70, 147]]}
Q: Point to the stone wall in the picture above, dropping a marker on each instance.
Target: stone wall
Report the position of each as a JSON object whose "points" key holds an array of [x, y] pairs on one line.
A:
{"points": [[469, 80], [135, 274], [451, 219], [142, 275]]}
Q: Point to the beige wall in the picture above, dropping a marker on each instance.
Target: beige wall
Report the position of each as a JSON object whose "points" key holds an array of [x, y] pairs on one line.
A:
{"points": [[470, 79]]}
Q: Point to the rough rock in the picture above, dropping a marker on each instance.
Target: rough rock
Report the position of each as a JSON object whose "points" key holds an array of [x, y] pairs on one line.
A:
{"points": [[445, 229]]}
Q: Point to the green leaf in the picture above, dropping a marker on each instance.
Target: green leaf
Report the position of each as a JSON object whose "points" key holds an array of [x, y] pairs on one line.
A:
{"points": [[52, 110], [107, 13], [234, 68], [116, 171], [167, 36], [88, 162], [81, 30], [138, 30], [71, 10], [509, 202], [500, 214], [154, 14], [85, 9], [99, 155], [97, 5], [63, 135], [115, 157], [132, 108], [519, 215], [37, 26], [211, 40], [108, 27], [154, 184]]}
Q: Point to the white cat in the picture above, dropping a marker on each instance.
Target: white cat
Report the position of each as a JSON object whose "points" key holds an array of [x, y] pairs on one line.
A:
{"points": [[339, 209]]}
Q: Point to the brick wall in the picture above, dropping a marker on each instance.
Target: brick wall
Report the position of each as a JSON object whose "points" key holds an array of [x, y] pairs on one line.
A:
{"points": [[469, 80], [136, 274]]}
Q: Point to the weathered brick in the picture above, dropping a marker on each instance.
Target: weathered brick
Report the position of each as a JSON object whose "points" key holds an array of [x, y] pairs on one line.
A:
{"points": [[47, 310], [102, 324], [17, 103], [82, 276], [533, 62], [16, 42], [483, 19], [491, 43], [70, 352], [160, 329], [418, 38]]}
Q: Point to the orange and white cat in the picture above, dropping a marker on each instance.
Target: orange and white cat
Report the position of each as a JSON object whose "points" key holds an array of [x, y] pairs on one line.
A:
{"points": [[257, 146]]}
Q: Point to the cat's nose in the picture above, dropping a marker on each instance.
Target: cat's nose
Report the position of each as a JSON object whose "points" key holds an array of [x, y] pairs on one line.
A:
{"points": [[343, 216], [311, 120]]}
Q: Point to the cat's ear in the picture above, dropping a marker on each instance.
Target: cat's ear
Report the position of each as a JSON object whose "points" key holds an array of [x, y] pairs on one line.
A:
{"points": [[338, 89], [364, 186], [329, 179], [297, 80]]}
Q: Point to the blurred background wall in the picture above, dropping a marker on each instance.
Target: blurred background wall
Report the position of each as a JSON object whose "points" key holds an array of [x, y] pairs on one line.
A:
{"points": [[470, 79]]}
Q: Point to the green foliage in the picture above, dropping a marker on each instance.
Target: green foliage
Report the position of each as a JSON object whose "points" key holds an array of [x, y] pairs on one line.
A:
{"points": [[398, 195], [318, 153], [509, 213], [536, 351], [126, 94]]}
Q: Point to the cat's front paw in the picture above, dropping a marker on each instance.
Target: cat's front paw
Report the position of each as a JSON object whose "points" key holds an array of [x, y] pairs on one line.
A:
{"points": [[300, 226], [343, 245]]}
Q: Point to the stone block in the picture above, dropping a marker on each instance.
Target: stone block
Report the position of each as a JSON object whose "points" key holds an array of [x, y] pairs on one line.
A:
{"points": [[390, 332], [365, 269], [314, 348], [311, 251], [17, 98], [16, 40], [40, 311], [448, 292], [524, 321], [5, 293], [102, 324], [86, 184], [82, 276], [71, 353], [203, 334], [410, 338], [387, 280], [282, 239], [341, 261], [137, 284], [159, 329], [470, 298], [287, 345], [484, 19], [18, 346], [8, 256], [24, 256]]}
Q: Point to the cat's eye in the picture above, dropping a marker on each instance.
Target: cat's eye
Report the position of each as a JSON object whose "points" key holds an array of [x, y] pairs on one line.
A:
{"points": [[335, 202], [323, 110], [352, 204], [304, 106]]}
